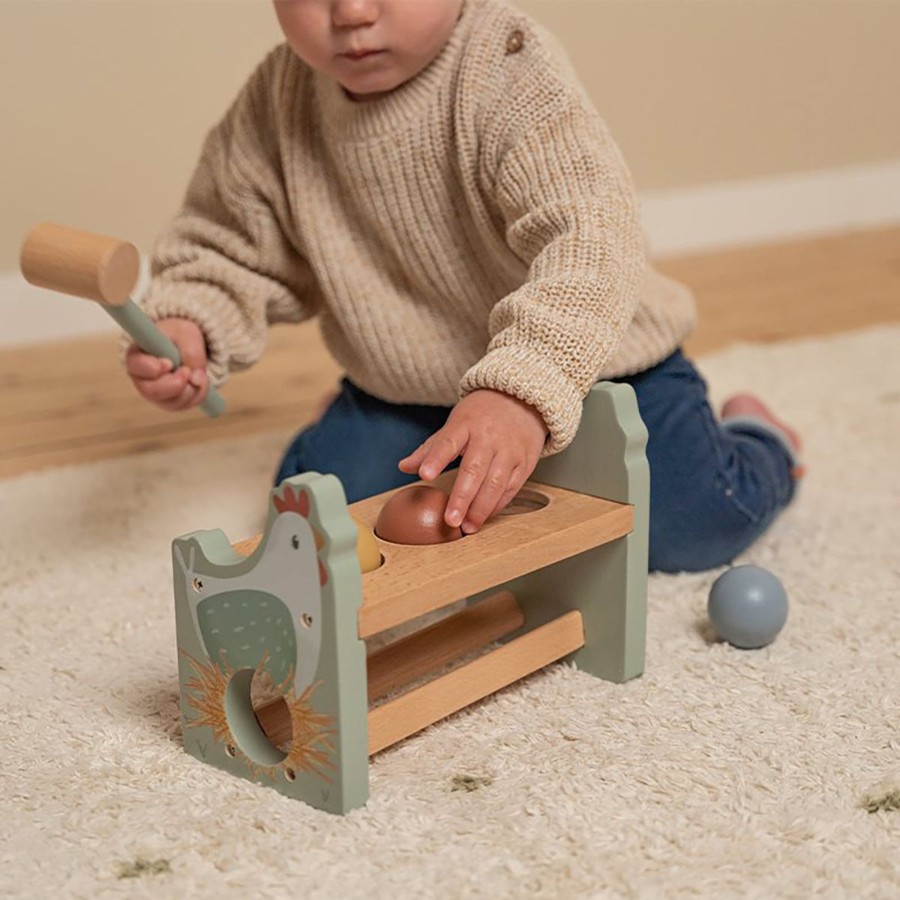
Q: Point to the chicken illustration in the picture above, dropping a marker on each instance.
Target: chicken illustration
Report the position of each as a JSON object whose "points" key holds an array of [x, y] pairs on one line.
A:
{"points": [[260, 639], [263, 611]]}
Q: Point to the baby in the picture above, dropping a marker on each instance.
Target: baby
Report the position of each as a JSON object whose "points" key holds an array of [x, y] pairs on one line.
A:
{"points": [[430, 180]]}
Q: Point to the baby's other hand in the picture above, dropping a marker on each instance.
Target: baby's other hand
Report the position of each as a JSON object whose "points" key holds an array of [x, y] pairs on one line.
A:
{"points": [[155, 378], [500, 439]]}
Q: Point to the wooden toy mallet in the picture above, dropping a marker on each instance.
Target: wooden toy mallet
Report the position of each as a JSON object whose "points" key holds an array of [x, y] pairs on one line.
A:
{"points": [[104, 269]]}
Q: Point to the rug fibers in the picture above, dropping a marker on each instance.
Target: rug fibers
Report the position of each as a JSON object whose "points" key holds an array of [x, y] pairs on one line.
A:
{"points": [[719, 773]]}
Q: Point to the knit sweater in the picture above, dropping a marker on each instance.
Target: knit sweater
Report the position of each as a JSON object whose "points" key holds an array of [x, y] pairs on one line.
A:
{"points": [[475, 228]]}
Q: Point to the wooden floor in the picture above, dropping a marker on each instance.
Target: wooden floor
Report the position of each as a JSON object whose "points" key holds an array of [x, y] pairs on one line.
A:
{"points": [[70, 402]]}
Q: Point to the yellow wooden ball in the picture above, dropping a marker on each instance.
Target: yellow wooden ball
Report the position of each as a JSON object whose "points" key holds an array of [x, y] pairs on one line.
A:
{"points": [[367, 550]]}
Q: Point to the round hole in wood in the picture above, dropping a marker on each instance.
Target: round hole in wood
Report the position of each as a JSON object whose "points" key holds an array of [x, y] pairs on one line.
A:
{"points": [[271, 709], [526, 501]]}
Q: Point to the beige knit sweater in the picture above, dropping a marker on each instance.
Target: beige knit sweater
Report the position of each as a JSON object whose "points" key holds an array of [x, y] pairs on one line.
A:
{"points": [[475, 228]]}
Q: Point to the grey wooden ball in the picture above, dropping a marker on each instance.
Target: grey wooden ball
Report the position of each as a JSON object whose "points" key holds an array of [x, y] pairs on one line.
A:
{"points": [[748, 606]]}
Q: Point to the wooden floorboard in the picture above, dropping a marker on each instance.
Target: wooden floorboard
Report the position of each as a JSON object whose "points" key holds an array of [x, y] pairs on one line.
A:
{"points": [[70, 402]]}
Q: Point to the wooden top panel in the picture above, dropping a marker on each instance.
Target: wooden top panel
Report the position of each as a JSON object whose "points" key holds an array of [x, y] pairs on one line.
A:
{"points": [[417, 579]]}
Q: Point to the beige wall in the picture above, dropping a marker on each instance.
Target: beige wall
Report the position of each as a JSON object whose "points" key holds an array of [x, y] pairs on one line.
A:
{"points": [[104, 102]]}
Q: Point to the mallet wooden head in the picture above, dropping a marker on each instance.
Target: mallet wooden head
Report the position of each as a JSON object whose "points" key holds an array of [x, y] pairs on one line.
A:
{"points": [[78, 262]]}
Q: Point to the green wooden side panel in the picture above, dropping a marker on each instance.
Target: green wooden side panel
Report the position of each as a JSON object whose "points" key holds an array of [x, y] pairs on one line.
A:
{"points": [[284, 618], [609, 583]]}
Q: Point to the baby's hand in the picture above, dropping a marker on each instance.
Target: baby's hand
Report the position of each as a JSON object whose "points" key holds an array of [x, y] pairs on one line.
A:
{"points": [[500, 439], [154, 377]]}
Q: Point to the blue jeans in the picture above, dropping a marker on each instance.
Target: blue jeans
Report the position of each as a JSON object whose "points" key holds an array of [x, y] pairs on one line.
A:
{"points": [[713, 490]]}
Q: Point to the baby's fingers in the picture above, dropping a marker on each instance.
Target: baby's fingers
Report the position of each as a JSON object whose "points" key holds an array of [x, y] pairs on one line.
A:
{"points": [[489, 495], [165, 390], [474, 468], [191, 395], [516, 481], [436, 453], [144, 366], [411, 463]]}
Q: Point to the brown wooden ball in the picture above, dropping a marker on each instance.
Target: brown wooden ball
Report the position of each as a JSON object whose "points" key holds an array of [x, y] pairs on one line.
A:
{"points": [[415, 515]]}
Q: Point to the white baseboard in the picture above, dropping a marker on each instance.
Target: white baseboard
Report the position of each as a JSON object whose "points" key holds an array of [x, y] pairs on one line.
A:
{"points": [[708, 217], [679, 221], [31, 315]]}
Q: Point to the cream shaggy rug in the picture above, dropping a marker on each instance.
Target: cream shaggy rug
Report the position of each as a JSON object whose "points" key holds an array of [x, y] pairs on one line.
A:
{"points": [[719, 773]]}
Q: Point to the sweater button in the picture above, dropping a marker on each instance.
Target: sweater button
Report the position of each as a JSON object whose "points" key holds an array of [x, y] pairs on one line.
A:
{"points": [[515, 42]]}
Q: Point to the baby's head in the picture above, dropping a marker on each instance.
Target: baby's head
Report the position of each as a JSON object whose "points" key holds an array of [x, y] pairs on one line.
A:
{"points": [[369, 47]]}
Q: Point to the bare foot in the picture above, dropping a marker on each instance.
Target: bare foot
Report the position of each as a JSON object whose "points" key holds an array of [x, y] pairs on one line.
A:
{"points": [[751, 405]]}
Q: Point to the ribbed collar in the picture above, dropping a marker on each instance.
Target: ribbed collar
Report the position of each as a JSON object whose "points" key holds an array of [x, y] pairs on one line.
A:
{"points": [[346, 119]]}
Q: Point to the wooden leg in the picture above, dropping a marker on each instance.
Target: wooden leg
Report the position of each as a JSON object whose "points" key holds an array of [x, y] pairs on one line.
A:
{"points": [[608, 584]]}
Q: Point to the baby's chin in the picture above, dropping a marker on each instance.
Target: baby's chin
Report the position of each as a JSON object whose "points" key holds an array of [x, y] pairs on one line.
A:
{"points": [[365, 98], [370, 92], [376, 83]]}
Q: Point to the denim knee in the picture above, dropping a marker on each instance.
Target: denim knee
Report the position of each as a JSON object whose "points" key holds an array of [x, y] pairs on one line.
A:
{"points": [[713, 491], [706, 523]]}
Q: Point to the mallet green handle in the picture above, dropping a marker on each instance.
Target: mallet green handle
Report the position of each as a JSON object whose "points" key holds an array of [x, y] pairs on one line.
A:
{"points": [[104, 269]]}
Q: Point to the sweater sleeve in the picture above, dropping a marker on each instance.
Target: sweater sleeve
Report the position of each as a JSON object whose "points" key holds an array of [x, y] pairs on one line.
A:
{"points": [[565, 199], [226, 261]]}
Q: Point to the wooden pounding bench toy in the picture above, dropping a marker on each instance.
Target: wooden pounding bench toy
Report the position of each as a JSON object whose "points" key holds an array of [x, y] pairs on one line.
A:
{"points": [[276, 683], [563, 579]]}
